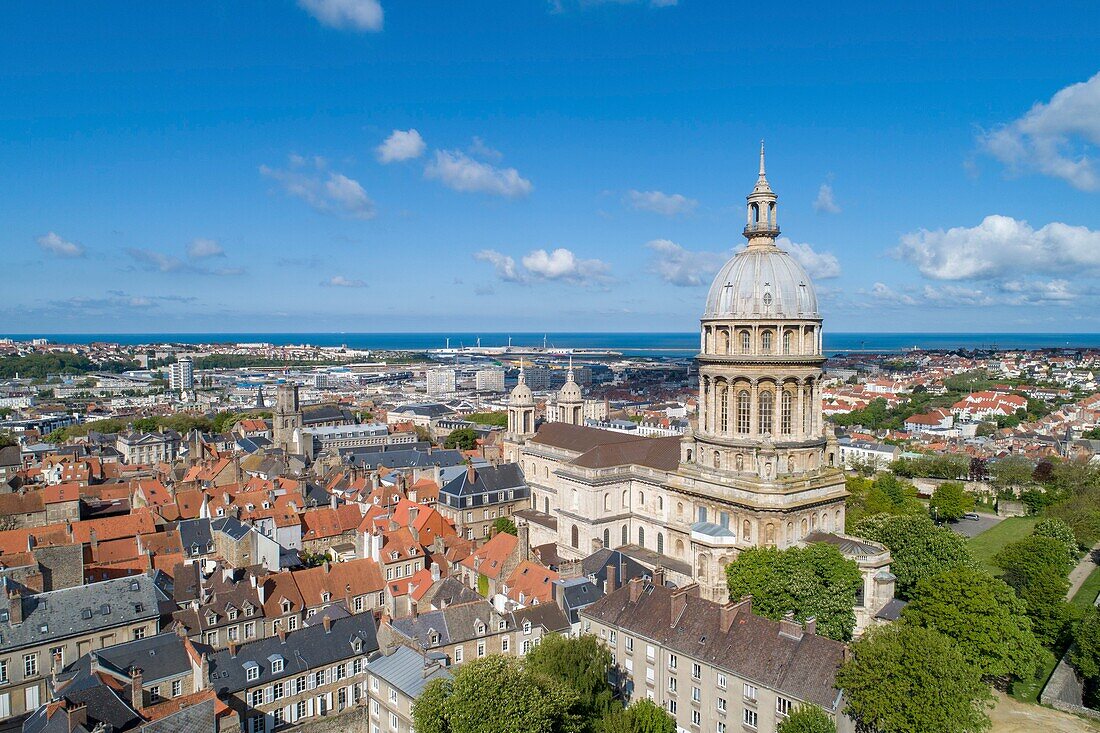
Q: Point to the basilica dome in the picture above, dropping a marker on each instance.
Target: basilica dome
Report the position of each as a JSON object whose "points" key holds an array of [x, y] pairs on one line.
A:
{"points": [[761, 281]]}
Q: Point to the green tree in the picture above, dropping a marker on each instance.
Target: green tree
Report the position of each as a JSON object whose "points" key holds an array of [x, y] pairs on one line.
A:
{"points": [[506, 525], [7, 440], [495, 694], [918, 547], [1037, 569], [982, 616], [1057, 529], [463, 439], [886, 494], [641, 716], [815, 581], [582, 664], [904, 678], [950, 501], [1085, 654], [1011, 472], [807, 719]]}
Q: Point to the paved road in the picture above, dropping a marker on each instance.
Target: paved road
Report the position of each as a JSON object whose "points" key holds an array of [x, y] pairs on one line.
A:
{"points": [[972, 528], [1078, 574]]}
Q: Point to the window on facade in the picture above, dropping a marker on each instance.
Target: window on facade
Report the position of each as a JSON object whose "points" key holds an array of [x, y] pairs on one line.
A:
{"points": [[721, 681], [252, 673], [750, 718], [30, 665], [767, 403], [746, 342], [721, 704], [574, 536], [723, 408], [250, 629], [766, 342], [4, 671], [785, 413], [641, 536], [458, 655], [177, 688], [743, 422], [750, 692], [696, 717], [505, 644]]}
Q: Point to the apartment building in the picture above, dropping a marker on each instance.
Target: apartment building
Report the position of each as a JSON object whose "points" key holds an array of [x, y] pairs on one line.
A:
{"points": [[716, 668], [394, 683]]}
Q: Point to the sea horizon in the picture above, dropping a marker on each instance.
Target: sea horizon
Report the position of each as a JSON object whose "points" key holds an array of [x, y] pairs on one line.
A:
{"points": [[630, 343]]}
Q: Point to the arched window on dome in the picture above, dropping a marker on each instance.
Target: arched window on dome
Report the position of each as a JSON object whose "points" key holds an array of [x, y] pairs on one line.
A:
{"points": [[743, 421], [574, 536], [746, 530], [625, 538], [723, 341], [754, 213], [717, 459], [786, 342], [767, 403], [660, 544], [607, 502], [679, 548], [746, 343], [626, 499], [607, 538], [641, 536], [785, 413], [766, 342]]}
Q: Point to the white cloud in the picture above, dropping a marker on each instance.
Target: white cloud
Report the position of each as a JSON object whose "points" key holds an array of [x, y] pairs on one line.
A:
{"points": [[504, 265], [886, 294], [326, 191], [360, 15], [684, 268], [202, 248], [55, 245], [158, 261], [1053, 138], [339, 281], [1001, 247], [661, 203], [479, 149], [460, 172], [401, 145], [825, 203], [818, 265], [560, 265]]}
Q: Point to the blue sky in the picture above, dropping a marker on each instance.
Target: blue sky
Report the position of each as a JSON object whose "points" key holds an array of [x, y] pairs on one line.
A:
{"points": [[576, 165]]}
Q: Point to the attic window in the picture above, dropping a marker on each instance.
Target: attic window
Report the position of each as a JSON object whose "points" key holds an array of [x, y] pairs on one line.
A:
{"points": [[85, 613], [105, 609], [357, 645], [44, 628], [134, 585], [326, 597], [138, 608], [286, 606]]}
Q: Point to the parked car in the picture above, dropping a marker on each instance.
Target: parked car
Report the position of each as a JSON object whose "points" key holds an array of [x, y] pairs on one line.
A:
{"points": [[971, 515]]}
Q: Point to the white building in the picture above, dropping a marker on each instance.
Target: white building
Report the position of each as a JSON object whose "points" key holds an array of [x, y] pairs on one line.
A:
{"points": [[440, 381], [489, 380], [181, 374]]}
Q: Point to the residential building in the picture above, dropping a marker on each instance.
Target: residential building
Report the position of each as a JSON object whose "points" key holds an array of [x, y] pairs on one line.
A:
{"points": [[713, 666], [489, 380], [181, 374], [44, 632], [395, 681], [480, 496], [146, 448], [440, 381]]}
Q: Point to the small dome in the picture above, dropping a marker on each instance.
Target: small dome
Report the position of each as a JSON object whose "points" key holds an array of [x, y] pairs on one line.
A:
{"points": [[570, 391], [521, 395], [761, 282]]}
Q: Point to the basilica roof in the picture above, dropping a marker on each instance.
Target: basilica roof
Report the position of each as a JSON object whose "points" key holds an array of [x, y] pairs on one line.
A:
{"points": [[762, 282]]}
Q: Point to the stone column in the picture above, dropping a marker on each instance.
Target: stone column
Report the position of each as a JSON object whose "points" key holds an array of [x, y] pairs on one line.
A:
{"points": [[799, 412], [754, 410]]}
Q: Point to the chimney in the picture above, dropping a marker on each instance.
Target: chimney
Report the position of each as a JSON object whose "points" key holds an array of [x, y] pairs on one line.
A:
{"points": [[282, 635], [93, 539], [413, 511], [789, 627], [15, 605], [327, 566], [727, 614], [810, 627], [76, 715], [233, 649], [414, 609], [635, 586], [327, 622], [137, 698], [747, 601], [611, 584], [659, 577], [677, 605], [30, 542], [471, 474], [524, 533]]}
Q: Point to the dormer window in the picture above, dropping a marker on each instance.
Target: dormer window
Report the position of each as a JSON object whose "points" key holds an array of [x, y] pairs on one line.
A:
{"points": [[276, 665], [433, 639], [221, 511], [326, 597], [286, 606], [502, 625], [393, 555], [232, 614], [357, 645], [249, 610], [252, 672], [480, 628], [527, 627], [211, 619]]}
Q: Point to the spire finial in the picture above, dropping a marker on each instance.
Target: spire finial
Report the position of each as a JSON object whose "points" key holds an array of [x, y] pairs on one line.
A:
{"points": [[761, 158], [522, 379], [570, 375]]}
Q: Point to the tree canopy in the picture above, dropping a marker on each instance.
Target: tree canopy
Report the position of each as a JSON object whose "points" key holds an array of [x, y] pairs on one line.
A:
{"points": [[1057, 529], [1037, 568], [815, 581], [463, 439], [982, 616], [506, 525], [641, 716], [496, 694], [918, 547], [950, 501], [581, 663], [886, 494], [904, 678], [807, 719], [1085, 653]]}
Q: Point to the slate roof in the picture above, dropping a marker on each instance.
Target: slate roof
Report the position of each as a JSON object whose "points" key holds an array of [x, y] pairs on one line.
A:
{"points": [[453, 624], [546, 615], [753, 648], [409, 458], [195, 532], [404, 670], [447, 592], [301, 650], [486, 479], [326, 413], [605, 449], [159, 657], [82, 609]]}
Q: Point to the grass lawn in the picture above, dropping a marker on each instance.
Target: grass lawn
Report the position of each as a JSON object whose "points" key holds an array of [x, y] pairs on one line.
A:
{"points": [[989, 542], [1089, 590]]}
